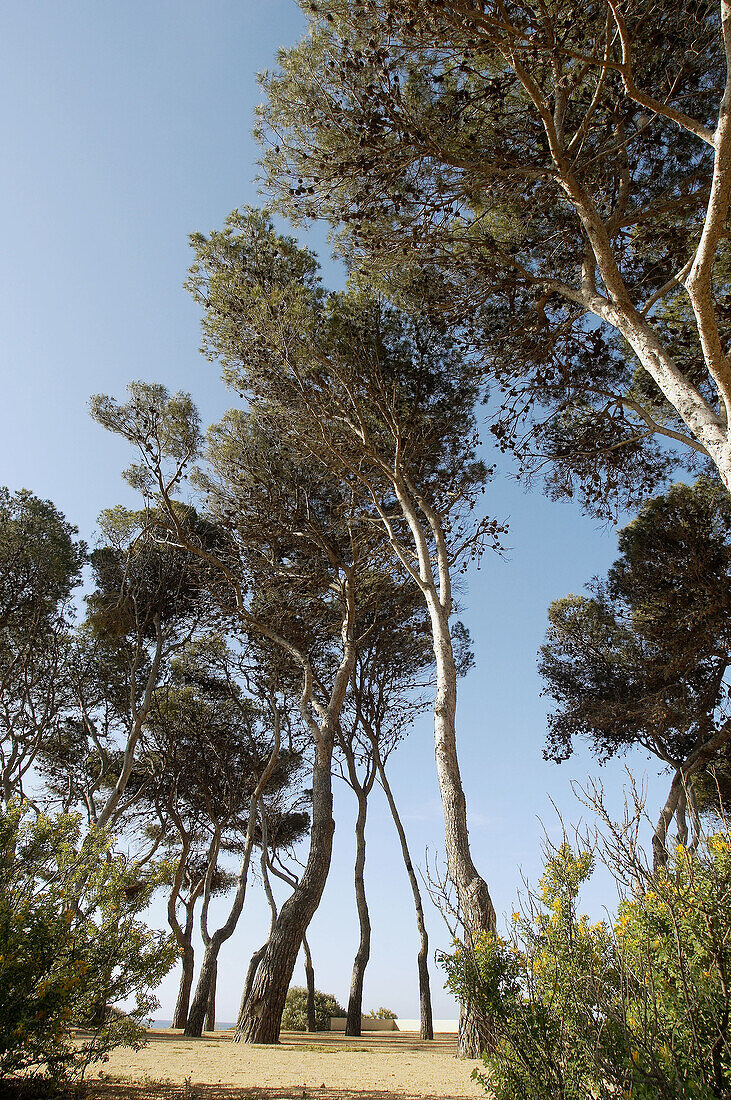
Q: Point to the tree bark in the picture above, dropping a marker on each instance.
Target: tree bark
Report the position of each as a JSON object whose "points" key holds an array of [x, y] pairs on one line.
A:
{"points": [[362, 955], [310, 980], [473, 895], [262, 1015], [250, 975], [475, 903], [425, 1009], [210, 1024], [198, 1009], [180, 1016]]}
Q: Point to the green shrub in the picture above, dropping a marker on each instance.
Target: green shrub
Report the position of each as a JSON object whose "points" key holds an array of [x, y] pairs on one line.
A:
{"points": [[638, 1008], [70, 946], [294, 1017], [382, 1014]]}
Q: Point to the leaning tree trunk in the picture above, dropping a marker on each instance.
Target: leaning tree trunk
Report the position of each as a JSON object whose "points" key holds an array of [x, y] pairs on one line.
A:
{"points": [[425, 1009], [355, 1000], [182, 1004], [310, 980], [210, 1024], [261, 1018], [473, 896]]}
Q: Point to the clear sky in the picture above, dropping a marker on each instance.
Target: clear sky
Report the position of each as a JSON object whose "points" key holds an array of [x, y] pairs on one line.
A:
{"points": [[124, 128]]}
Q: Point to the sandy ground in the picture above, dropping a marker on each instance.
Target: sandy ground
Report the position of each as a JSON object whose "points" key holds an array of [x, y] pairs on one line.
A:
{"points": [[325, 1066]]}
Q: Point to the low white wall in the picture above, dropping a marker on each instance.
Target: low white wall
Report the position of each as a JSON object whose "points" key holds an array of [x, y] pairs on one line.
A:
{"points": [[448, 1026], [367, 1023]]}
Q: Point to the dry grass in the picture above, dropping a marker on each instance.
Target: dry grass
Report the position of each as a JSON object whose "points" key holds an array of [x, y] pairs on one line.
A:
{"points": [[329, 1066]]}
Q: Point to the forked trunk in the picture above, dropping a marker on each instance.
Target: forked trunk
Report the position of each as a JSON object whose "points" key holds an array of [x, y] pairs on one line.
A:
{"points": [[199, 1008], [425, 1009], [355, 1000], [261, 1018]]}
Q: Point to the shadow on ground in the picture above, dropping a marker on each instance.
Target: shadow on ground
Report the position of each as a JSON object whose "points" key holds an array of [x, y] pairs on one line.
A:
{"points": [[404, 1042], [155, 1090]]}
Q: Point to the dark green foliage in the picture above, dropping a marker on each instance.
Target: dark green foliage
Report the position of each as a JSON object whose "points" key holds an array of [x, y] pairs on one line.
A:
{"points": [[40, 565], [142, 579], [40, 561], [485, 163], [642, 658], [294, 1017]]}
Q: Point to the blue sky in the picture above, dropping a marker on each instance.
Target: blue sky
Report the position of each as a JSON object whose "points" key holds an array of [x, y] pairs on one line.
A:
{"points": [[124, 128]]}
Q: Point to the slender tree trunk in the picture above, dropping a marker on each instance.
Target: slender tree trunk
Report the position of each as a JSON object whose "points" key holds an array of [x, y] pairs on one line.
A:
{"points": [[674, 800], [476, 908], [355, 1000], [427, 1023], [475, 903], [262, 1015], [310, 980], [182, 1004], [473, 895], [210, 1024]]}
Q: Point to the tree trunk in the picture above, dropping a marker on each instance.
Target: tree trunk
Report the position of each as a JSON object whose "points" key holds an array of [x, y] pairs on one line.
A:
{"points": [[250, 975], [425, 1009], [310, 979], [262, 1015], [199, 1007], [180, 1016], [210, 1024], [355, 1000], [473, 896]]}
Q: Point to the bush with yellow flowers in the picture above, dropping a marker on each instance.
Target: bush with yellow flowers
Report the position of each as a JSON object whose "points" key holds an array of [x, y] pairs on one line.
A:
{"points": [[71, 946], [639, 1007]]}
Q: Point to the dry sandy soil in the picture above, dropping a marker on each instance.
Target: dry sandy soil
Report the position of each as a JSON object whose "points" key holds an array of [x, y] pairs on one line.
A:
{"points": [[326, 1066]]}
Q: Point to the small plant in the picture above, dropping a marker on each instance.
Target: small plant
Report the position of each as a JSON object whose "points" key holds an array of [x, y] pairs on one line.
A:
{"points": [[294, 1017], [382, 1014], [188, 1090]]}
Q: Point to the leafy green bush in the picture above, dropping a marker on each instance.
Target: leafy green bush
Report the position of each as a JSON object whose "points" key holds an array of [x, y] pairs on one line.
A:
{"points": [[637, 1008], [382, 1014], [70, 945], [294, 1017]]}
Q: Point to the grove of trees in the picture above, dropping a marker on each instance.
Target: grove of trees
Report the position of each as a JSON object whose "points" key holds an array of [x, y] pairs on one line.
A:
{"points": [[532, 203]]}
